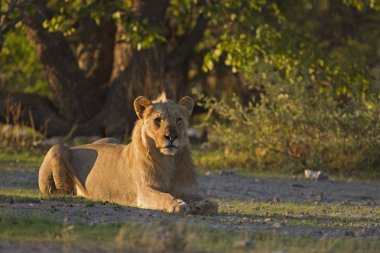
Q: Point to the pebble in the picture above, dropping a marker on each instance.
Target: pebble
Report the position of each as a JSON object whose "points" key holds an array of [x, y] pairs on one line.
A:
{"points": [[277, 225], [315, 175], [243, 244]]}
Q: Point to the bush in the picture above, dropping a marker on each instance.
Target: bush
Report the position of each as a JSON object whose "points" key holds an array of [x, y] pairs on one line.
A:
{"points": [[294, 127]]}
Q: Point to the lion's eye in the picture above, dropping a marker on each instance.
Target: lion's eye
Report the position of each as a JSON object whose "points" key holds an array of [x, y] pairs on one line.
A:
{"points": [[179, 120], [157, 120]]}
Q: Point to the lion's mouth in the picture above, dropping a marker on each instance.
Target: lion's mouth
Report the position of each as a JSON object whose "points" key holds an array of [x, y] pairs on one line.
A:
{"points": [[169, 149], [170, 146]]}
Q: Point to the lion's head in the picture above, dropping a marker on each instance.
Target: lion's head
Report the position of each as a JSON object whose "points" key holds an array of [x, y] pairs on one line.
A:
{"points": [[164, 122]]}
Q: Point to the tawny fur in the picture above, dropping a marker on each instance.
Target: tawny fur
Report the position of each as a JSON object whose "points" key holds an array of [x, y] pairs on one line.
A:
{"points": [[143, 173]]}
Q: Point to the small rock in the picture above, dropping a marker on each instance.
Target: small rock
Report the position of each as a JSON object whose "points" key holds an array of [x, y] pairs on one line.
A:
{"points": [[243, 244], [268, 220], [277, 225], [315, 175]]}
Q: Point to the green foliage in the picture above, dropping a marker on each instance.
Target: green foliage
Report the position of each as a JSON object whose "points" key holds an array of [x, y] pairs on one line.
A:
{"points": [[316, 103], [294, 128], [68, 13], [136, 31], [275, 43], [21, 69], [324, 42]]}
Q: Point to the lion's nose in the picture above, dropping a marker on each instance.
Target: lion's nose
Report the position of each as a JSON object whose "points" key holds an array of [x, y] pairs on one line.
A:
{"points": [[172, 135]]}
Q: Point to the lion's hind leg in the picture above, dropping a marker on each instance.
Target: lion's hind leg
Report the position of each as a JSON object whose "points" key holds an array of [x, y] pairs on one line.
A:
{"points": [[55, 175]]}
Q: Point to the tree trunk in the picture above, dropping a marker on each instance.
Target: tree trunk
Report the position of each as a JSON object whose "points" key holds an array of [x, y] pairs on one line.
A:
{"points": [[78, 95], [88, 101]]}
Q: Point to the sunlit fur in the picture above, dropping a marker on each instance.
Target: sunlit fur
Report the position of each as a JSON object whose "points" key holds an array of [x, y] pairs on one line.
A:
{"points": [[145, 173]]}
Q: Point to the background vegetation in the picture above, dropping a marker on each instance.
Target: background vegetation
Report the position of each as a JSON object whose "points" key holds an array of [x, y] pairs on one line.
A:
{"points": [[304, 74]]}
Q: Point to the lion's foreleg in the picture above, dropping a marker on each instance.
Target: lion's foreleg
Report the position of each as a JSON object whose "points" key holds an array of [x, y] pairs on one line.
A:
{"points": [[153, 199]]}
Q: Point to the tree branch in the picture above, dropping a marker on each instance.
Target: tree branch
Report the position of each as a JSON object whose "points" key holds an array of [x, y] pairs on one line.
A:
{"points": [[104, 64], [184, 50]]}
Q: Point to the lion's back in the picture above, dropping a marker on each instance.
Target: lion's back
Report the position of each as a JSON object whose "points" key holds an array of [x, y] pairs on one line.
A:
{"points": [[104, 172]]}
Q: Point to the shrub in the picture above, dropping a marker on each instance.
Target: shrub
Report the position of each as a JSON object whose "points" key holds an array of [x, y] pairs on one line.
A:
{"points": [[294, 127]]}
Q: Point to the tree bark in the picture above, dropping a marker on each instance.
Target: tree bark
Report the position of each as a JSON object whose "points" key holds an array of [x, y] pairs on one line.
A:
{"points": [[77, 99]]}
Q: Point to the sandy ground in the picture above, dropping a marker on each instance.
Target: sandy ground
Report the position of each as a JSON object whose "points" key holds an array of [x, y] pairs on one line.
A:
{"points": [[290, 190], [226, 187]]}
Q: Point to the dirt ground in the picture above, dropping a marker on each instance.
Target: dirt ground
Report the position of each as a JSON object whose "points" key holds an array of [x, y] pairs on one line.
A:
{"points": [[290, 190], [227, 188]]}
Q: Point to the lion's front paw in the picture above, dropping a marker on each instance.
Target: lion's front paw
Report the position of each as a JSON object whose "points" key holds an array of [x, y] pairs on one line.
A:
{"points": [[181, 208], [204, 207]]}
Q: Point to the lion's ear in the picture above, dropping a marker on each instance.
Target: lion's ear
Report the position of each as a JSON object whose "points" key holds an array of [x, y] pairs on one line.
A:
{"points": [[188, 103], [140, 104]]}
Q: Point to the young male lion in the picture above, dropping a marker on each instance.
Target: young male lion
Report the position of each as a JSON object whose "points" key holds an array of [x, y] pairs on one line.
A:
{"points": [[154, 171]]}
